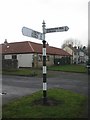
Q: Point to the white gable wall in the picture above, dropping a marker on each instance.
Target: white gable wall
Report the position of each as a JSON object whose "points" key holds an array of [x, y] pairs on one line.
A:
{"points": [[69, 50], [25, 60]]}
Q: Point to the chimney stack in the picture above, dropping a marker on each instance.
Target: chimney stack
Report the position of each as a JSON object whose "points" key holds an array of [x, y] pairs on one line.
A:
{"points": [[5, 41]]}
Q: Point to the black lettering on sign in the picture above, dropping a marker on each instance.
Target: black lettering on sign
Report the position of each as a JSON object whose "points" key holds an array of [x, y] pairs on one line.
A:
{"points": [[34, 34]]}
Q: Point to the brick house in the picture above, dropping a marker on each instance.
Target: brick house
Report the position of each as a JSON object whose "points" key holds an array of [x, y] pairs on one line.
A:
{"points": [[29, 54]]}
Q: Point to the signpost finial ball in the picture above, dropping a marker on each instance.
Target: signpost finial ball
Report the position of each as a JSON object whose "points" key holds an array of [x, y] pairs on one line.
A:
{"points": [[43, 22]]}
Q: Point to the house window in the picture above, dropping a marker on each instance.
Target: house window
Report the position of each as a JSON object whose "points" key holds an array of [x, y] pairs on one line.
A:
{"points": [[14, 57], [75, 53]]}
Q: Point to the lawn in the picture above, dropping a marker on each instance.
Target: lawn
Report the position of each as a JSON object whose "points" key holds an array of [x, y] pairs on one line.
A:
{"points": [[68, 105], [69, 68]]}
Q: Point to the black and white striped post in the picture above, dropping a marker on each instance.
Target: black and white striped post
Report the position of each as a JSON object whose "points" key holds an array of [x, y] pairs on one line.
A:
{"points": [[44, 67], [35, 34]]}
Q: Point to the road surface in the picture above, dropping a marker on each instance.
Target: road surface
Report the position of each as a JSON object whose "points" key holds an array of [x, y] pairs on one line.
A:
{"points": [[18, 86]]}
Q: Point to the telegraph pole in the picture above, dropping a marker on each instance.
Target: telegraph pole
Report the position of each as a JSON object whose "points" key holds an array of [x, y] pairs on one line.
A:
{"points": [[44, 66]]}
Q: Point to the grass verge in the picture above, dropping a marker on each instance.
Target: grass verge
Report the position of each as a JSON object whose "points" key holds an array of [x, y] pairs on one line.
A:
{"points": [[20, 72], [69, 68], [38, 72], [70, 105]]}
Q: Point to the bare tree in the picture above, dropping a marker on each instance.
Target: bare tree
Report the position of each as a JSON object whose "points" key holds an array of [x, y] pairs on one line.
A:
{"points": [[72, 42]]}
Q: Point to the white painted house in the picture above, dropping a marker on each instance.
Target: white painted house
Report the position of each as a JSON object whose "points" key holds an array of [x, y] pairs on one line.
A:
{"points": [[78, 54]]}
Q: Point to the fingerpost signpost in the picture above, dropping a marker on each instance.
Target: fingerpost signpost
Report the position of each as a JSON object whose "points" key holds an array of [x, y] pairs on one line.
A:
{"points": [[41, 36]]}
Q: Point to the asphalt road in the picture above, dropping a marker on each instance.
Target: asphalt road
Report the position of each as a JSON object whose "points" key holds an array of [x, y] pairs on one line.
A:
{"points": [[17, 86]]}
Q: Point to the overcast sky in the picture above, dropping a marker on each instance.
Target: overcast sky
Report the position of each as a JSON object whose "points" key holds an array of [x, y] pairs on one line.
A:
{"points": [[14, 14]]}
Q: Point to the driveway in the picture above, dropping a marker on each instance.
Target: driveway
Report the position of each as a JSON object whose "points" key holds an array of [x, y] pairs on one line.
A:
{"points": [[17, 86]]}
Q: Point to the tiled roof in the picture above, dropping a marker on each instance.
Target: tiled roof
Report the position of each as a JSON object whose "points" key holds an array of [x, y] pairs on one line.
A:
{"points": [[30, 47]]}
